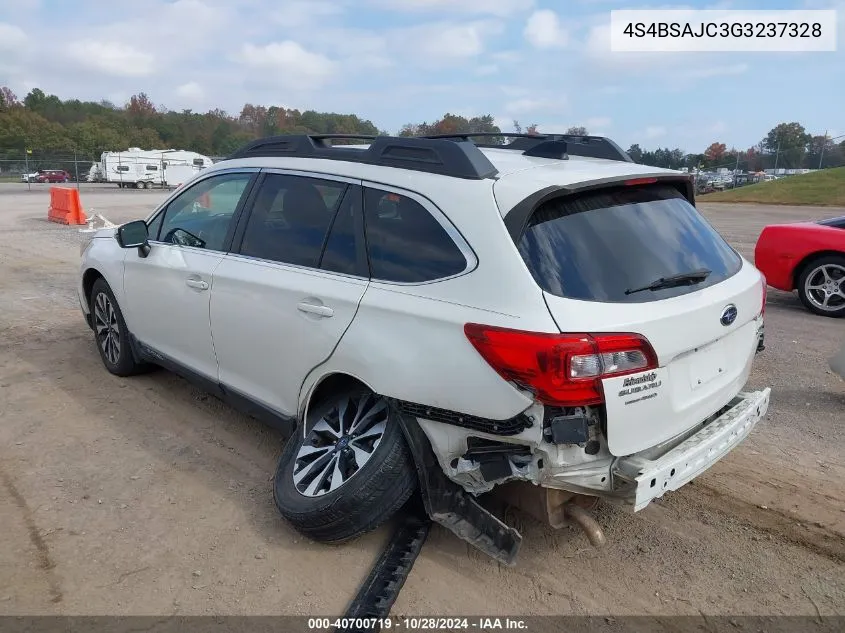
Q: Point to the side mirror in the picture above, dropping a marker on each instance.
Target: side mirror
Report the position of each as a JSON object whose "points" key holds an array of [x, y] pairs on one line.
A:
{"points": [[134, 235]]}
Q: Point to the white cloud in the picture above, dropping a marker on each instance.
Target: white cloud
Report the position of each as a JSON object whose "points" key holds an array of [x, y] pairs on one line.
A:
{"points": [[533, 106], [544, 30], [504, 123], [653, 132], [552, 128], [12, 37], [357, 49], [486, 70], [295, 65], [112, 58], [718, 71], [506, 57], [433, 43], [499, 8], [718, 127], [297, 13], [191, 92], [597, 122]]}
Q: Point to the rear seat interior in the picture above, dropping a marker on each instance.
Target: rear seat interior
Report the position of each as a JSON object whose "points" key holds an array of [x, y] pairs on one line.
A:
{"points": [[289, 222]]}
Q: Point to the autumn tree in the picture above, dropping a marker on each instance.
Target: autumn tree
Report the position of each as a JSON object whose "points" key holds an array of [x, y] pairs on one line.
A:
{"points": [[8, 99], [456, 124], [578, 130], [715, 153], [140, 108]]}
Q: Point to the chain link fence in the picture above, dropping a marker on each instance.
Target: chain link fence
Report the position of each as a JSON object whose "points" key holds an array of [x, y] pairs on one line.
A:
{"points": [[27, 166]]}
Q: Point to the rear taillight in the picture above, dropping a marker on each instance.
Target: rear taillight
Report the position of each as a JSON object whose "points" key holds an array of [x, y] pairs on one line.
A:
{"points": [[561, 369]]}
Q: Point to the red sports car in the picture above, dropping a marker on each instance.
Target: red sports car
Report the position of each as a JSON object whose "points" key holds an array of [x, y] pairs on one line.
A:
{"points": [[808, 257]]}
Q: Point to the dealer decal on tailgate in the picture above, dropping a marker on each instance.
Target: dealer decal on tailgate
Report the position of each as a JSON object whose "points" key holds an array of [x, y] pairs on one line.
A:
{"points": [[640, 387], [636, 406]]}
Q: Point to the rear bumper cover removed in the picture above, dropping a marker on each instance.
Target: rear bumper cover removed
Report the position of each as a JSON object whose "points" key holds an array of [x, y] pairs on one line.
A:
{"points": [[654, 475]]}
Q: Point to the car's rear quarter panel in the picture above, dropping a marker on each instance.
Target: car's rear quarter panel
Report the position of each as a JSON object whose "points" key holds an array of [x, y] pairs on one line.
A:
{"points": [[408, 341], [781, 250]]}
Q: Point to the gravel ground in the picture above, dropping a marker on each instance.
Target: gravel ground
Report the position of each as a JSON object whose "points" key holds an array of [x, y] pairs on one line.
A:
{"points": [[144, 496]]}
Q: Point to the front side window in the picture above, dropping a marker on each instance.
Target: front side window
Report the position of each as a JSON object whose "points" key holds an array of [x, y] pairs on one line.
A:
{"points": [[290, 219], [405, 243], [202, 215], [604, 245]]}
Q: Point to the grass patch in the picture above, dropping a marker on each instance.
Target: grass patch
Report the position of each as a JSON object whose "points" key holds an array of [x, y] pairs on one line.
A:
{"points": [[821, 188]]}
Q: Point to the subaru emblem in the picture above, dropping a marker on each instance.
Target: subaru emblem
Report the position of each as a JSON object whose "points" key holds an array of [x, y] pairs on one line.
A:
{"points": [[728, 315]]}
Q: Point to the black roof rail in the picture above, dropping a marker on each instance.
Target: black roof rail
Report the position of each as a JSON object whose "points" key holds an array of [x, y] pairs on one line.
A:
{"points": [[447, 157], [549, 145]]}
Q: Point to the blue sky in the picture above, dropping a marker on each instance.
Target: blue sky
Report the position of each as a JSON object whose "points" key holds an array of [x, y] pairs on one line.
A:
{"points": [[399, 61]]}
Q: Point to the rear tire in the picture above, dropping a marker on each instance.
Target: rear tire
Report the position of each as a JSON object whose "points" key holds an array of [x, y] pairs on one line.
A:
{"points": [[110, 332], [366, 494], [821, 285]]}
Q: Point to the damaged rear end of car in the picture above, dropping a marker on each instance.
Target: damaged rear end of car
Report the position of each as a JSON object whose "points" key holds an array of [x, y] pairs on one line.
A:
{"points": [[641, 389]]}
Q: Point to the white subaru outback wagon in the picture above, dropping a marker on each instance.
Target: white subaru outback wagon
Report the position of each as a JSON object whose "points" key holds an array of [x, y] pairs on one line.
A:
{"points": [[444, 314]]}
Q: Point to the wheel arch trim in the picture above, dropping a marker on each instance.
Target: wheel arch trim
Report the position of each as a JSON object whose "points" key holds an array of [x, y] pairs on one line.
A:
{"points": [[311, 385]]}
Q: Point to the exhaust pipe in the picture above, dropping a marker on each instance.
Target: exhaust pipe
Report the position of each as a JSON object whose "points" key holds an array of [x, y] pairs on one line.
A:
{"points": [[587, 523], [555, 508]]}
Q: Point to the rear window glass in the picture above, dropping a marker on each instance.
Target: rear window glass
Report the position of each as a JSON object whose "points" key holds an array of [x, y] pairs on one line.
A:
{"points": [[597, 246]]}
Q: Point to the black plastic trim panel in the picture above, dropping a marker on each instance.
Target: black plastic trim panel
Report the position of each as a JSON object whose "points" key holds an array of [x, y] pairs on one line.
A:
{"points": [[235, 399], [511, 426]]}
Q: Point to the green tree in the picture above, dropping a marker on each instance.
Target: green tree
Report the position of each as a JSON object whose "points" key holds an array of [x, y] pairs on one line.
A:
{"points": [[789, 142], [636, 153]]}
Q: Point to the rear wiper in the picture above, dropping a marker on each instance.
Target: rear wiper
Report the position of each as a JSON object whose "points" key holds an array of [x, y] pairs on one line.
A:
{"points": [[682, 279]]}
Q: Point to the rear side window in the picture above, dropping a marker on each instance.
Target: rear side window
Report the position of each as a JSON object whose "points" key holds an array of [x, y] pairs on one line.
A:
{"points": [[342, 252], [597, 246], [405, 243], [290, 218]]}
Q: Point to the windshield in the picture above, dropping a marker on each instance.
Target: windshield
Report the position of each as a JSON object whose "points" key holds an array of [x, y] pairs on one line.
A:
{"points": [[596, 246], [837, 223]]}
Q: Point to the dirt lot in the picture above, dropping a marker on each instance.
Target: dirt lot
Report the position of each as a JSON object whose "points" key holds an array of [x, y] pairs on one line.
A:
{"points": [[144, 496]]}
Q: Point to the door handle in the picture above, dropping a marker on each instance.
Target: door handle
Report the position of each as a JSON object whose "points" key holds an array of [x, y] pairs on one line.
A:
{"points": [[199, 284], [311, 308]]}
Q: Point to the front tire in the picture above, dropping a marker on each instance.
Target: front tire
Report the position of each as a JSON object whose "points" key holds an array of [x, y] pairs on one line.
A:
{"points": [[110, 332], [821, 286], [349, 474]]}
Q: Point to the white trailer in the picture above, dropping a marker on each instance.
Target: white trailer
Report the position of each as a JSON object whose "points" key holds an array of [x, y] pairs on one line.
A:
{"points": [[144, 168]]}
